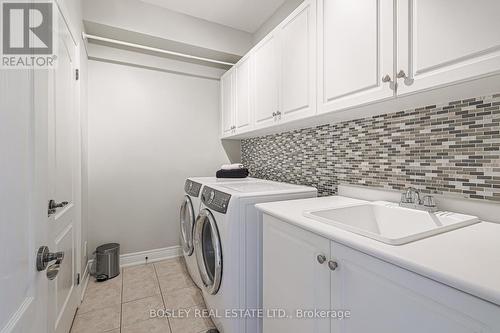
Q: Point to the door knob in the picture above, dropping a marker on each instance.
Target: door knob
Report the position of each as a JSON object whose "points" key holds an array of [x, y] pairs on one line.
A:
{"points": [[44, 257]]}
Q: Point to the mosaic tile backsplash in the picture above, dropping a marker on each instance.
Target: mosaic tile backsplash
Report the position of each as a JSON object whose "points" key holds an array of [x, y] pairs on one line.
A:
{"points": [[452, 148]]}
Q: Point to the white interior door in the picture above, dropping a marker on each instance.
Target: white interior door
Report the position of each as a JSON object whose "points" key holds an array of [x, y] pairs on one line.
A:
{"points": [[265, 82], [441, 42], [62, 185], [39, 149], [355, 50], [23, 212]]}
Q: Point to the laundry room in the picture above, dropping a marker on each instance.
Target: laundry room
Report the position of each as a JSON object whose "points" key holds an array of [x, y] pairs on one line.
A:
{"points": [[237, 166]]}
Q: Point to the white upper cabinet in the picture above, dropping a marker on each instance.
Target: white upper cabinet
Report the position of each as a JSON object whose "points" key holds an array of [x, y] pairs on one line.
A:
{"points": [[265, 81], [333, 55], [441, 42], [355, 50], [297, 36], [243, 102], [227, 103]]}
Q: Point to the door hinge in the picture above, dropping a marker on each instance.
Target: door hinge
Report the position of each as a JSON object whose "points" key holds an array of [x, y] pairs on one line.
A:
{"points": [[77, 74], [78, 279]]}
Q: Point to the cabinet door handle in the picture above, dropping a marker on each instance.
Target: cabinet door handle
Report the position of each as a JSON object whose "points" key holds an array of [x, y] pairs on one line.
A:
{"points": [[332, 265], [277, 115], [402, 75], [321, 258], [387, 79]]}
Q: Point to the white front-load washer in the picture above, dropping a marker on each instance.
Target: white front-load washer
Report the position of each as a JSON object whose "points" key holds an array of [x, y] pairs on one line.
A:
{"points": [[189, 210], [228, 247]]}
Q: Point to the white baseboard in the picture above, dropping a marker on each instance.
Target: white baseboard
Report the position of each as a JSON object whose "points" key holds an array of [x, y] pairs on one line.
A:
{"points": [[137, 258], [85, 279]]}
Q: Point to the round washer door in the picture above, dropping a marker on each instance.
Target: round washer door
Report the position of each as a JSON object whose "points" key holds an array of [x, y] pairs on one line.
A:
{"points": [[208, 250], [187, 220]]}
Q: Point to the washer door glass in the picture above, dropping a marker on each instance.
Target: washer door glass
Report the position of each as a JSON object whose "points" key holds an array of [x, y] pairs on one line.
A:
{"points": [[208, 251], [187, 225]]}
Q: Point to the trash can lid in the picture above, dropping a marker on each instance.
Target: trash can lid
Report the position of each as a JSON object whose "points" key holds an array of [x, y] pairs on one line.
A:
{"points": [[107, 247]]}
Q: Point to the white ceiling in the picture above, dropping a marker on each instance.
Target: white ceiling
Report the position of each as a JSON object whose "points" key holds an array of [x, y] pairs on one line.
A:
{"points": [[246, 15]]}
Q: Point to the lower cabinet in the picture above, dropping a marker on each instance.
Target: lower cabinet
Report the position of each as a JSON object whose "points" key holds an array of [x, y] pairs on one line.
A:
{"points": [[362, 293], [293, 278]]}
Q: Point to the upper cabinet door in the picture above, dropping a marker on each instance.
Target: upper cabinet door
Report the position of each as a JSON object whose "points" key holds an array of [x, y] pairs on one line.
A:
{"points": [[440, 42], [243, 104], [297, 36], [227, 103], [355, 50], [265, 81]]}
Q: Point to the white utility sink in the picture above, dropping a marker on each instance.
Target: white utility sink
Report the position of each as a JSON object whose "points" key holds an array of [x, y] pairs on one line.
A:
{"points": [[389, 223]]}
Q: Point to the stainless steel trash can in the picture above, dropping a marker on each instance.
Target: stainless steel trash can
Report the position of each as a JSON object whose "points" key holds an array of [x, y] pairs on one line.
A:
{"points": [[107, 258]]}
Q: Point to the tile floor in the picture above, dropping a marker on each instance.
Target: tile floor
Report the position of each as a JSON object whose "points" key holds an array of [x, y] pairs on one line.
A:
{"points": [[123, 304]]}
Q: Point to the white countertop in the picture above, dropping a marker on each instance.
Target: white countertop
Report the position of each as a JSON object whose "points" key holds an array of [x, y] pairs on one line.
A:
{"points": [[467, 259]]}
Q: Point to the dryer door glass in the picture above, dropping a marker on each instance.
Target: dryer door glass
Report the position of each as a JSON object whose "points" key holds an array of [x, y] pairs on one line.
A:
{"points": [[208, 251], [187, 224]]}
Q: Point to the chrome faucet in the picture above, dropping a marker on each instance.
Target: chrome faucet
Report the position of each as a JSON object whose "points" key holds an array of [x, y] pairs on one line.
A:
{"points": [[412, 198]]}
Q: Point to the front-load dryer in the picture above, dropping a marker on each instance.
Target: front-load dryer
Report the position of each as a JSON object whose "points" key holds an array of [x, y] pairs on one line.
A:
{"points": [[228, 247], [189, 210]]}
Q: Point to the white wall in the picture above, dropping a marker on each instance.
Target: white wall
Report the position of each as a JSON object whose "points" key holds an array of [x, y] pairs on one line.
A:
{"points": [[141, 17], [147, 131]]}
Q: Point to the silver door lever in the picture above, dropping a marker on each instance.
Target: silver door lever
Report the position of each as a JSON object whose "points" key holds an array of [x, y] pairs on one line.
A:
{"points": [[53, 205], [44, 257]]}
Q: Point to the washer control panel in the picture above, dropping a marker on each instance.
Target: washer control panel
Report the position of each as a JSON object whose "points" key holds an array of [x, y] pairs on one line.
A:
{"points": [[214, 199], [192, 188]]}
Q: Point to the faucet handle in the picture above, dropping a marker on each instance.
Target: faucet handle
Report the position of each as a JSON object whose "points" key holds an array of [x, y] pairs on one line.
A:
{"points": [[429, 201], [412, 196]]}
